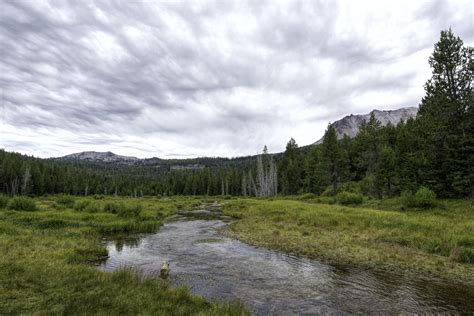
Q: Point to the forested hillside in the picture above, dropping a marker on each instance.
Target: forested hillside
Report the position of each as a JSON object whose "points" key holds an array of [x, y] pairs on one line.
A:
{"points": [[435, 150]]}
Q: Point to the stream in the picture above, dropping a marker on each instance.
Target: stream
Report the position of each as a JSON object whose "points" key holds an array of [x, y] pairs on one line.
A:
{"points": [[270, 282]]}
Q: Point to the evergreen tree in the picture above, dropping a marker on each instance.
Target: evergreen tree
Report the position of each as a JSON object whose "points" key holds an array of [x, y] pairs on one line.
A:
{"points": [[316, 175], [444, 118], [291, 168], [332, 157]]}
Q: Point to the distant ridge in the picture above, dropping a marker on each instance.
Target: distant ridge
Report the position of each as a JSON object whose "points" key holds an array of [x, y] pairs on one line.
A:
{"points": [[99, 156], [349, 125]]}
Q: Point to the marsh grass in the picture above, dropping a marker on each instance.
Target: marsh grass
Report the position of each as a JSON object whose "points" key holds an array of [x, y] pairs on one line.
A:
{"points": [[3, 200], [48, 256], [379, 233], [22, 203]]}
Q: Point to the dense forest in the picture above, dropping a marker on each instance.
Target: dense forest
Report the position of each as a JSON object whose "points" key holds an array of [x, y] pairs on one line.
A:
{"points": [[435, 150]]}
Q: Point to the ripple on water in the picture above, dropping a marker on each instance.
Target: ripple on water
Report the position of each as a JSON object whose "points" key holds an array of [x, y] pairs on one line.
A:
{"points": [[266, 281]]}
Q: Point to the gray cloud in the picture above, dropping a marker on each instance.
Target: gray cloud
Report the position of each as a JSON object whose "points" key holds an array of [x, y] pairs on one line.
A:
{"points": [[207, 78]]}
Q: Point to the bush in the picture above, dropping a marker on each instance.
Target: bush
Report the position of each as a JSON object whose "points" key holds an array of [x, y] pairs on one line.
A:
{"points": [[347, 198], [367, 186], [423, 198], [22, 203], [114, 208], [92, 208], [123, 210], [327, 191], [307, 196], [3, 201], [349, 186], [86, 206], [66, 200]]}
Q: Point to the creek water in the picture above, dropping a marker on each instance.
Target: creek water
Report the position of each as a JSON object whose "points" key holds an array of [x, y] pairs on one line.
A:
{"points": [[270, 282]]}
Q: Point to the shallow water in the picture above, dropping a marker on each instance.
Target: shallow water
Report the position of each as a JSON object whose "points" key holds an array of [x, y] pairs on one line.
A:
{"points": [[269, 282]]}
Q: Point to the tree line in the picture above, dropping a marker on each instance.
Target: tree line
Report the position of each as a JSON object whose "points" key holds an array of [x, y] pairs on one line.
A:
{"points": [[435, 149]]}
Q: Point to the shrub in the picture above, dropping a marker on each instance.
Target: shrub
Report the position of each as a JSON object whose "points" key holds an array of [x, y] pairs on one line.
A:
{"points": [[22, 203], [327, 191], [3, 201], [92, 208], [347, 198], [114, 208], [66, 200], [307, 196], [423, 198], [367, 186], [350, 186], [81, 205]]}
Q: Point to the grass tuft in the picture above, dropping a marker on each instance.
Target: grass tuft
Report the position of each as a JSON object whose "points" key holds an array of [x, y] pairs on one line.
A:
{"points": [[22, 203]]}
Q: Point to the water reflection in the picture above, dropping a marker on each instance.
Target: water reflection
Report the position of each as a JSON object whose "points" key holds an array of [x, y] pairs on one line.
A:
{"points": [[270, 282]]}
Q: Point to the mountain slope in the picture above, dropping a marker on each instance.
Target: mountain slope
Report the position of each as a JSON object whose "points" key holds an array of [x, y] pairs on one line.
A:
{"points": [[349, 125], [99, 156]]}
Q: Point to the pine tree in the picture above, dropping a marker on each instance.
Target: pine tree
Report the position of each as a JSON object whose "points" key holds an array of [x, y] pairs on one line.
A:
{"points": [[332, 156], [444, 118], [291, 168]]}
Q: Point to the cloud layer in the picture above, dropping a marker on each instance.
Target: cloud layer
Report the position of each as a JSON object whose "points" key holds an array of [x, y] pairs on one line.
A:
{"points": [[213, 78]]}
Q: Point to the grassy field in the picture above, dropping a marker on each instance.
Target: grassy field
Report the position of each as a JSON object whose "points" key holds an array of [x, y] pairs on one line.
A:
{"points": [[49, 247], [378, 234], [48, 254]]}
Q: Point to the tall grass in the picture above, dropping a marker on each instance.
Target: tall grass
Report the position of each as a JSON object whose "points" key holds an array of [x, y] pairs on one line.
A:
{"points": [[3, 200], [438, 241], [22, 203], [66, 200], [48, 256]]}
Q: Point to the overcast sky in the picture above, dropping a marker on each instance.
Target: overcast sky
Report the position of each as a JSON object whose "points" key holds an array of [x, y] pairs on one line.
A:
{"points": [[211, 78]]}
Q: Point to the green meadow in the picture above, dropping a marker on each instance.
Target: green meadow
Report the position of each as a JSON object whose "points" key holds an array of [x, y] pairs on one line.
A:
{"points": [[50, 246], [379, 234], [49, 252]]}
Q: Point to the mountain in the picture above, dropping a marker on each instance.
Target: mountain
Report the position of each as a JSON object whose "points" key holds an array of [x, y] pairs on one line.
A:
{"points": [[99, 156], [349, 125], [105, 159]]}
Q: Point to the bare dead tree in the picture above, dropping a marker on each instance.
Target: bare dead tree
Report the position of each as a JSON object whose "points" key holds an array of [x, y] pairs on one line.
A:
{"points": [[14, 184], [25, 181], [266, 182], [244, 185]]}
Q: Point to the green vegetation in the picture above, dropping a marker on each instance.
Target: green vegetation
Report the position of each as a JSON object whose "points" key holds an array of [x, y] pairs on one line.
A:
{"points": [[66, 200], [348, 198], [122, 209], [22, 203], [3, 200], [46, 252], [48, 256], [434, 150], [377, 234], [423, 198]]}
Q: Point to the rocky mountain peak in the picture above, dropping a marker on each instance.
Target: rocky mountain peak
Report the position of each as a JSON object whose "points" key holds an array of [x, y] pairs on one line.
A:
{"points": [[107, 156], [349, 125]]}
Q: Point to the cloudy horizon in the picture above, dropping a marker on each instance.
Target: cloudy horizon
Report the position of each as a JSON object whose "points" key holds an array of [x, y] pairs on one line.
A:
{"points": [[213, 78]]}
